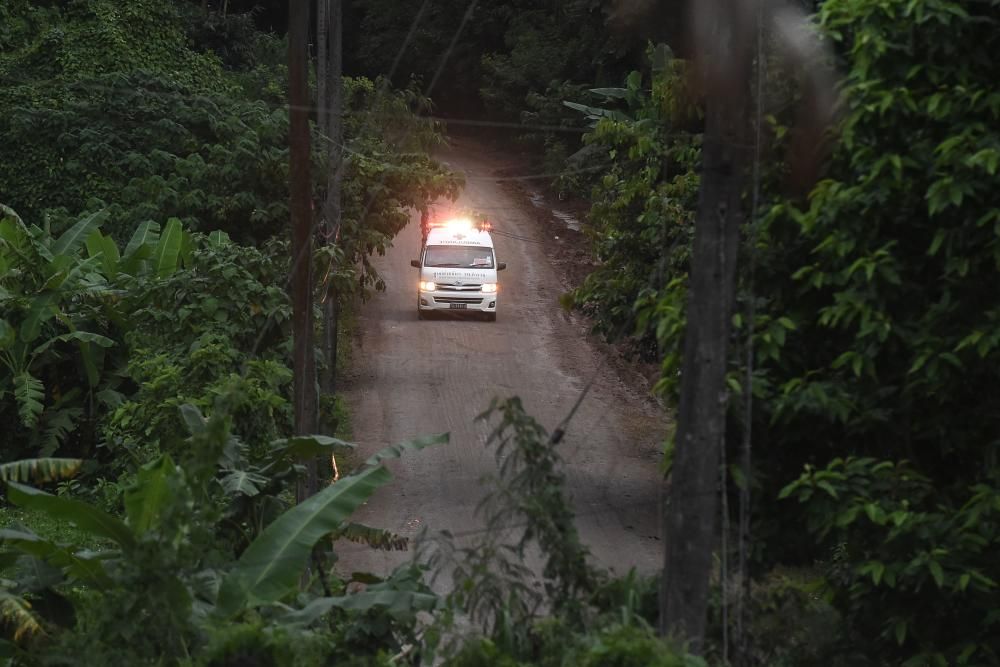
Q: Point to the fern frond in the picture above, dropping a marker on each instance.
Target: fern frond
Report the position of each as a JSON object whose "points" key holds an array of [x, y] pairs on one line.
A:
{"points": [[29, 392], [57, 424], [39, 470]]}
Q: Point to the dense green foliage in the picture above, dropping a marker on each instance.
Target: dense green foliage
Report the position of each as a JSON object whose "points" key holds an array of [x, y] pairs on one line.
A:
{"points": [[150, 149], [641, 219], [896, 335], [167, 563], [875, 329], [513, 62], [144, 147]]}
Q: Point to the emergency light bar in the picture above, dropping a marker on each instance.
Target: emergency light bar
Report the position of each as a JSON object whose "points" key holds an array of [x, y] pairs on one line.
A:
{"points": [[460, 224]]}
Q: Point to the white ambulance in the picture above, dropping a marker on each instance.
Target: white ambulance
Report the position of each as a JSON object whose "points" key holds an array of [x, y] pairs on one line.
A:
{"points": [[458, 270]]}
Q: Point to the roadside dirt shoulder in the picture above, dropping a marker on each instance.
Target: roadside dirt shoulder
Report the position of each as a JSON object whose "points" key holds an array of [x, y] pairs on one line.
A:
{"points": [[560, 227]]}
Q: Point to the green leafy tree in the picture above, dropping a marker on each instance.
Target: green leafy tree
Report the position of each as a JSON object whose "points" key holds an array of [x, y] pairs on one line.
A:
{"points": [[641, 217]]}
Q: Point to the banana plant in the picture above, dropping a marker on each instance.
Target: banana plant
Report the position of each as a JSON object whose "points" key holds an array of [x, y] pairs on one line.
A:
{"points": [[39, 276], [148, 252], [268, 571], [16, 612], [43, 281]]}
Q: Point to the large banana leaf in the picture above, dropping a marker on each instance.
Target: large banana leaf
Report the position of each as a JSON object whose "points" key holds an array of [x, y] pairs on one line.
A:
{"points": [[39, 470], [395, 603], [39, 312], [140, 247], [270, 567], [396, 451], [243, 482], [149, 495], [7, 334], [87, 570], [73, 237], [8, 212], [106, 249], [84, 516], [168, 249], [300, 448], [80, 336]]}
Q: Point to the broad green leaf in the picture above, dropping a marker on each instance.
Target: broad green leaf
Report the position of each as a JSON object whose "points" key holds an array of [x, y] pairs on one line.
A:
{"points": [[243, 482], [595, 113], [7, 334], [390, 600], [84, 516], [104, 248], [39, 312], [617, 93], [39, 471], [193, 419], [58, 271], [661, 57], [168, 249], [73, 237], [396, 451], [187, 250], [140, 247], [393, 602], [81, 336], [877, 569], [218, 238], [936, 572], [151, 493], [88, 570], [90, 362], [302, 447], [8, 212], [270, 567], [900, 632]]}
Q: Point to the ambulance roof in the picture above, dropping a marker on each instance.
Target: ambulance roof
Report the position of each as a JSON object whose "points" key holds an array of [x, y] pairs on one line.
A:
{"points": [[466, 237]]}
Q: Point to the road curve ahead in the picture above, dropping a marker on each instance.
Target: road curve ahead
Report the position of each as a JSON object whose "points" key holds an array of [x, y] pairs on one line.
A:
{"points": [[412, 377]]}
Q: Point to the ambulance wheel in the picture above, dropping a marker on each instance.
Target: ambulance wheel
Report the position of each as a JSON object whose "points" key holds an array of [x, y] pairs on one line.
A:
{"points": [[420, 315], [491, 317]]}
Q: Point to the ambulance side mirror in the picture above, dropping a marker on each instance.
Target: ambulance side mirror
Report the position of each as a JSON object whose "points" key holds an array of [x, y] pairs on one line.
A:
{"points": [[501, 266], [415, 263]]}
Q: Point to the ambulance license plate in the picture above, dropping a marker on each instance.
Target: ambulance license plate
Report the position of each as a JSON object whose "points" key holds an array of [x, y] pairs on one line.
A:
{"points": [[458, 305]]}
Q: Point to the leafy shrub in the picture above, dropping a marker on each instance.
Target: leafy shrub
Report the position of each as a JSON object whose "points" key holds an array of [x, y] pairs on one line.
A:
{"points": [[915, 575], [641, 218]]}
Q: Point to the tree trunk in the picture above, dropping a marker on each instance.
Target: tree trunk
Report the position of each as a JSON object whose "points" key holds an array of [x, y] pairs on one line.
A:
{"points": [[332, 207], [300, 207], [322, 34], [690, 517]]}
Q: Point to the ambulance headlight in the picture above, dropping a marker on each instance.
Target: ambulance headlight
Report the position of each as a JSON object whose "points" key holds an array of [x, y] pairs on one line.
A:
{"points": [[489, 287], [427, 286]]}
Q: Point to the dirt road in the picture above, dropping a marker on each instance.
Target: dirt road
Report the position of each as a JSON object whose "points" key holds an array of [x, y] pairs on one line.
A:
{"points": [[414, 377]]}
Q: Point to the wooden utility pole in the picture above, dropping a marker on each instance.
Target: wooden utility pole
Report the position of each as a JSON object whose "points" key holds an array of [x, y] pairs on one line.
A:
{"points": [[724, 33], [333, 103], [300, 207], [690, 517]]}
